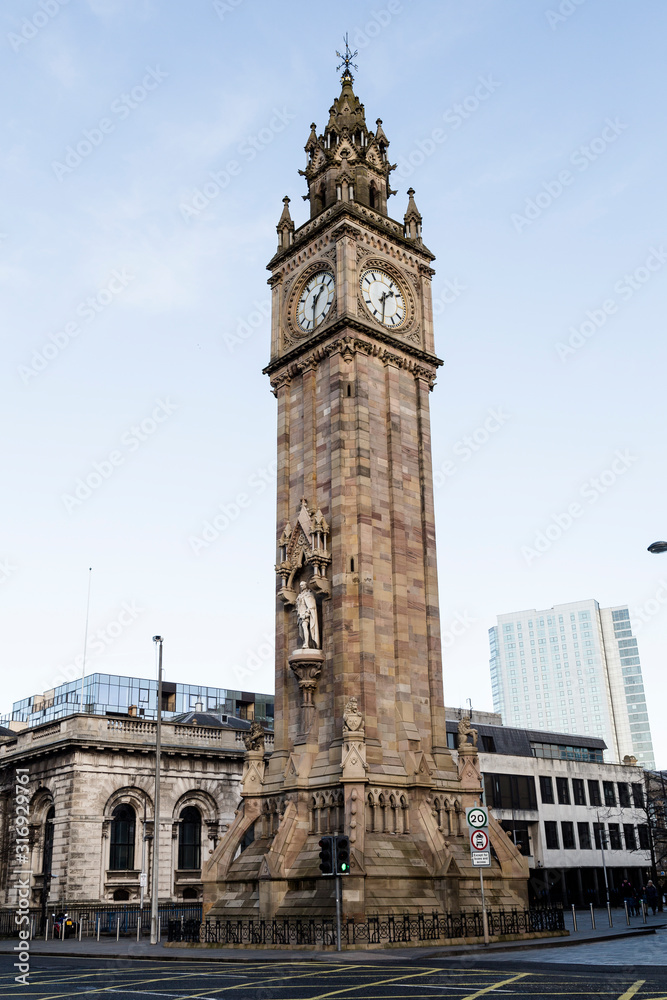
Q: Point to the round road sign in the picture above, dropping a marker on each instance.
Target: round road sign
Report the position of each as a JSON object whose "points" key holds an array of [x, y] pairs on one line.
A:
{"points": [[477, 817], [479, 840]]}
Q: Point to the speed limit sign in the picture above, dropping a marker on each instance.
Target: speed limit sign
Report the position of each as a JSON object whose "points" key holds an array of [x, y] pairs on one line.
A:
{"points": [[477, 817], [479, 840]]}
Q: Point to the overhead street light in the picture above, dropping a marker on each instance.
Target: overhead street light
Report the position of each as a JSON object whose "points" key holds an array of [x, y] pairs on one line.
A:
{"points": [[657, 547]]}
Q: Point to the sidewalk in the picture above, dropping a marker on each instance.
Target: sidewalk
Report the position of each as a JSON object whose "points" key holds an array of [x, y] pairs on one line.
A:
{"points": [[559, 950]]}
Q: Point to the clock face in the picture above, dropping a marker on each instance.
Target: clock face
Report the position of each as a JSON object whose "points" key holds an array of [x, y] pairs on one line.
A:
{"points": [[383, 297], [315, 300]]}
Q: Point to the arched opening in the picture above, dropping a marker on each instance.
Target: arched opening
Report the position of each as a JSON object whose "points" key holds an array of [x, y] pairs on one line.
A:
{"points": [[47, 857], [121, 854], [190, 893], [121, 896], [372, 196], [189, 839], [352, 564]]}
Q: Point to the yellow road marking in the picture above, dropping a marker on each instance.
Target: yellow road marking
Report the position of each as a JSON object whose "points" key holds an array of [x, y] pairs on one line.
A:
{"points": [[379, 982], [630, 992], [496, 986]]}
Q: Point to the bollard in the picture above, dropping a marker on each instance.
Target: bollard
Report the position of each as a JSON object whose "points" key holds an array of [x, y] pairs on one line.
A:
{"points": [[644, 910], [80, 927], [574, 917], [98, 928], [592, 917], [138, 926], [627, 915], [31, 927], [611, 922], [117, 928], [46, 930]]}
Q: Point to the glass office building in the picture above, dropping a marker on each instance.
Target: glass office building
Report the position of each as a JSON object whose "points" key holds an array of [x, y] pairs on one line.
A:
{"points": [[573, 668], [106, 693]]}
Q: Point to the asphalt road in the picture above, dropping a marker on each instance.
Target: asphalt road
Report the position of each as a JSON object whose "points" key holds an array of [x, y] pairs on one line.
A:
{"points": [[53, 978]]}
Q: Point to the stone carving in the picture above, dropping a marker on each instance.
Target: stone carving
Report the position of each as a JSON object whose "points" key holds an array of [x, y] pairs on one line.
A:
{"points": [[466, 730], [304, 545], [254, 738], [306, 612], [353, 720]]}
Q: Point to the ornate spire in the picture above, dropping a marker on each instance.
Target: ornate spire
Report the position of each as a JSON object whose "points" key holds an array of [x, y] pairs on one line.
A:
{"points": [[348, 162], [285, 227], [412, 220]]}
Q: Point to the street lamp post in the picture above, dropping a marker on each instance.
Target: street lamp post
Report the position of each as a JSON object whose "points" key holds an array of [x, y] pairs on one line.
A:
{"points": [[156, 815]]}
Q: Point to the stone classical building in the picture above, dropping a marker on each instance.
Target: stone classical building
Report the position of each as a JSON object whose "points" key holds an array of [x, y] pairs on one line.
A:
{"points": [[91, 786], [360, 736]]}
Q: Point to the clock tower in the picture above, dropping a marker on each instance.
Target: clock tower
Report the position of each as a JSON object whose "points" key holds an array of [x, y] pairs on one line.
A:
{"points": [[360, 736]]}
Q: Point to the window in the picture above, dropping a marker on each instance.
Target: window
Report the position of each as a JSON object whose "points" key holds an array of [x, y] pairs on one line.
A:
{"points": [[630, 839], [563, 790], [451, 741], [578, 792], [510, 791], [567, 831], [638, 796], [189, 840], [609, 793], [615, 837], [551, 834], [623, 793], [488, 744], [594, 793], [546, 789], [584, 831], [599, 836], [644, 842], [518, 831], [47, 857], [121, 856]]}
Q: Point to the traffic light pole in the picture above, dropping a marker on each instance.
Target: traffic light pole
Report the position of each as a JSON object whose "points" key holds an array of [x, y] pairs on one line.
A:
{"points": [[338, 912]]}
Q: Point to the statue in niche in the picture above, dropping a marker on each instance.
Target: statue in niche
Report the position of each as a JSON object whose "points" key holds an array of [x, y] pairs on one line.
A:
{"points": [[353, 720], [466, 730], [306, 613]]}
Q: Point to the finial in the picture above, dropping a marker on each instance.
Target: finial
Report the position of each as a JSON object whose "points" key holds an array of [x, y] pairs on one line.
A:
{"points": [[346, 60]]}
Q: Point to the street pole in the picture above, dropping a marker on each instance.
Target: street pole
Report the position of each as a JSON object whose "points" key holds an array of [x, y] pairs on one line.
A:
{"points": [[603, 837], [156, 815], [338, 908]]}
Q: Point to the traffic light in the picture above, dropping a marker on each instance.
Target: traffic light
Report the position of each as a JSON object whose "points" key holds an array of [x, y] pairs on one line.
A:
{"points": [[342, 856], [327, 850]]}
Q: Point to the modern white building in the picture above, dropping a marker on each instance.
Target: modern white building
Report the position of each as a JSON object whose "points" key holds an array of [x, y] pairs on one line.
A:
{"points": [[573, 668], [581, 823]]}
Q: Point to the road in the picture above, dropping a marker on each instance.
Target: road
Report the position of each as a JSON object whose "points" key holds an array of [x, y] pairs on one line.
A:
{"points": [[53, 978]]}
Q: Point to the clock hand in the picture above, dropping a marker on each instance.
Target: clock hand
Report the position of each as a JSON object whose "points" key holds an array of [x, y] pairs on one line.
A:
{"points": [[315, 298]]}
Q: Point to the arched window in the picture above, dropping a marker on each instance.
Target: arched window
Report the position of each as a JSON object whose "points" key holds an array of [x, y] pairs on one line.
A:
{"points": [[121, 856], [47, 858], [189, 841], [121, 895], [190, 893]]}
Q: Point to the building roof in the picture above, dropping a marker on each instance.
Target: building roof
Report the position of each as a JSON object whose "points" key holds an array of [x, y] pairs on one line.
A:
{"points": [[211, 721], [517, 742]]}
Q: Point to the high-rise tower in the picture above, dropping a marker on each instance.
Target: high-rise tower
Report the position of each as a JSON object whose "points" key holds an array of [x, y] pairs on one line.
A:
{"points": [[360, 739]]}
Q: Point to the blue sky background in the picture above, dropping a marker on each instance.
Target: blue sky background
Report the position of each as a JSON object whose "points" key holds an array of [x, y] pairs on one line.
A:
{"points": [[187, 323]]}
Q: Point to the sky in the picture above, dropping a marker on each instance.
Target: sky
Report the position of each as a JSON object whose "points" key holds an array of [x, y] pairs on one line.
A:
{"points": [[146, 150]]}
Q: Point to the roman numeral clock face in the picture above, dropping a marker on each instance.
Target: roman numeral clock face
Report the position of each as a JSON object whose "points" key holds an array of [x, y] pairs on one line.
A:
{"points": [[383, 297], [315, 300]]}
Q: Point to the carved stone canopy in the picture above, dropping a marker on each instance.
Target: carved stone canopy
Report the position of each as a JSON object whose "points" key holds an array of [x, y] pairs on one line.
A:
{"points": [[304, 545]]}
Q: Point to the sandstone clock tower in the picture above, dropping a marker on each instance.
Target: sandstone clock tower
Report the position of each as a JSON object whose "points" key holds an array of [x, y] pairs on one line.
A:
{"points": [[360, 737]]}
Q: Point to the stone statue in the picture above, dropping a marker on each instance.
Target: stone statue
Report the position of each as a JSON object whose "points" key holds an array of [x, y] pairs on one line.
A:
{"points": [[306, 612], [466, 730], [353, 720], [254, 738]]}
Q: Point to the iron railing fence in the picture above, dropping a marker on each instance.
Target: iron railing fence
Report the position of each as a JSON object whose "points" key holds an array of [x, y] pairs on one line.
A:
{"points": [[121, 918], [392, 929]]}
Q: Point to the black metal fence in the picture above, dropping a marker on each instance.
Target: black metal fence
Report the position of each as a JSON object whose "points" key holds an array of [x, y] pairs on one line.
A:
{"points": [[113, 918], [390, 929]]}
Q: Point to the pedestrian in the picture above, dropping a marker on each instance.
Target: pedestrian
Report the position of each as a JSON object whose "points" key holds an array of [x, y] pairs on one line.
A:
{"points": [[652, 896], [628, 896]]}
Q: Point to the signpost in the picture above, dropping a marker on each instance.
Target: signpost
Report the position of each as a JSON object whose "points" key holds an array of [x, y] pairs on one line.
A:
{"points": [[477, 818]]}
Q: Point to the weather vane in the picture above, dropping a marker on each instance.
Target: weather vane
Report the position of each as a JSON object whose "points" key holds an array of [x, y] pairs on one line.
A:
{"points": [[346, 60]]}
